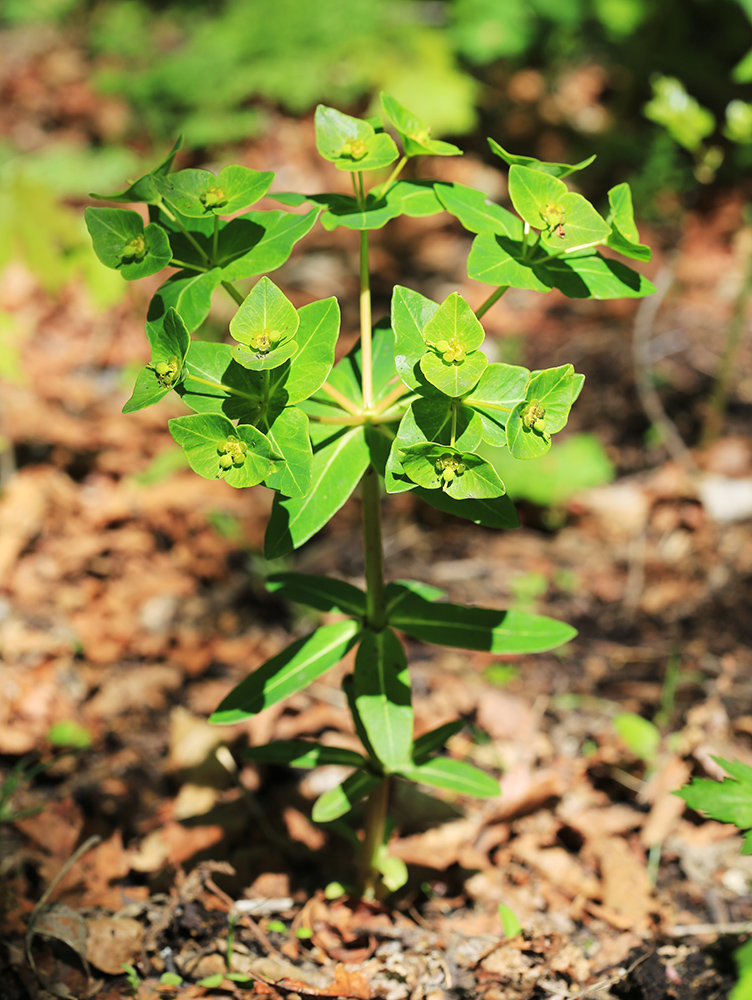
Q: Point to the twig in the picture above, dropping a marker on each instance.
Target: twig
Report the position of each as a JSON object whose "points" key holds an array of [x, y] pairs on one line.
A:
{"points": [[602, 984], [692, 930], [77, 854], [649, 398]]}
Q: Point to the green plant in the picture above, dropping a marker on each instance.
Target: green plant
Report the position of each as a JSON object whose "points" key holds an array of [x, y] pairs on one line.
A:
{"points": [[409, 405], [728, 801]]}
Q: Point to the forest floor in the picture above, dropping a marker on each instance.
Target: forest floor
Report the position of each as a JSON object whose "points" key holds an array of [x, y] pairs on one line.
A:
{"points": [[132, 601]]}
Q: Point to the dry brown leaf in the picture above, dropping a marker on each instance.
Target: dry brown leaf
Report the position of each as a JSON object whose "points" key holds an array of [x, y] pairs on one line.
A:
{"points": [[627, 890], [173, 844], [438, 847], [557, 865], [113, 941], [667, 808]]}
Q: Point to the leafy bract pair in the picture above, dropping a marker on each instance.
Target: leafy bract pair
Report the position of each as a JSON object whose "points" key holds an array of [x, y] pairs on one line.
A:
{"points": [[416, 404]]}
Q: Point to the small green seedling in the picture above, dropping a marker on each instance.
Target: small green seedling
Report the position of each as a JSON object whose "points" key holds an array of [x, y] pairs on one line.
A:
{"points": [[414, 407]]}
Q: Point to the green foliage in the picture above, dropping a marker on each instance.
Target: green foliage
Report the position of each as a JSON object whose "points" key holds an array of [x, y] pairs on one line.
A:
{"points": [[728, 801], [641, 736], [416, 403]]}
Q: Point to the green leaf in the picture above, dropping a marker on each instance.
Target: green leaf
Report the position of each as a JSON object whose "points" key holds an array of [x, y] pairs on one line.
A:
{"points": [[434, 740], [509, 921], [686, 121], [496, 513], [243, 392], [568, 220], [340, 800], [320, 592], [287, 432], [430, 419], [454, 333], [382, 696], [554, 169], [393, 871], [198, 193], [454, 775], [258, 242], [416, 199], [123, 243], [351, 143], [265, 324], [411, 311], [591, 276], [501, 386], [728, 801], [497, 260], [641, 736], [624, 236], [169, 347], [304, 754], [144, 188], [413, 131], [476, 213], [344, 210], [543, 412], [286, 673], [459, 474], [316, 338], [210, 440], [454, 378], [339, 461], [501, 632], [187, 292], [454, 320]]}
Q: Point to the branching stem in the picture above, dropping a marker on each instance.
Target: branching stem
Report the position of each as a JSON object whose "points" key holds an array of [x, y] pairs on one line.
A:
{"points": [[491, 300]]}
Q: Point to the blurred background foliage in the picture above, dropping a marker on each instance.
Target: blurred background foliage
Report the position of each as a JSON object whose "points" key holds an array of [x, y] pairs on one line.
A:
{"points": [[569, 76]]}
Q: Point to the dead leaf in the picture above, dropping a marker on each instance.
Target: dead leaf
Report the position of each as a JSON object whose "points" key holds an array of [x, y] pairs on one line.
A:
{"points": [[627, 890], [64, 924], [112, 942]]}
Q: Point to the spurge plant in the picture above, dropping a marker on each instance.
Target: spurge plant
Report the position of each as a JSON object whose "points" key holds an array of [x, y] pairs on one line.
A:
{"points": [[415, 406]]}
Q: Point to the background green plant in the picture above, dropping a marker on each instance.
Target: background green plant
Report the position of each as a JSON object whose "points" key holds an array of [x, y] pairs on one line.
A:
{"points": [[409, 406]]}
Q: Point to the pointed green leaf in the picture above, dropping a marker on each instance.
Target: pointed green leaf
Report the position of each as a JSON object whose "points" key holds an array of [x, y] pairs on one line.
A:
{"points": [[123, 243], [143, 189], [535, 194], [430, 419], [497, 260], [265, 324], [624, 235], [728, 801], [568, 220], [304, 754], [343, 210], [287, 432], [169, 346], [413, 131], [198, 193], [454, 378], [459, 474], [340, 800], [321, 592], [216, 448], [543, 412], [554, 169], [498, 512], [501, 386], [411, 311], [339, 461], [416, 199], [286, 673], [383, 697], [581, 226], [501, 632], [187, 292], [214, 383], [591, 276], [351, 143], [454, 775], [434, 740], [476, 212], [316, 338], [258, 242], [454, 320]]}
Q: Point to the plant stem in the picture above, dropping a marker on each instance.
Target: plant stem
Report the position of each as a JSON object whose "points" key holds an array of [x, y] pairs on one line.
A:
{"points": [[220, 385], [492, 298], [215, 240], [397, 393], [373, 550], [191, 267], [392, 177], [233, 291], [341, 399], [365, 323], [716, 407], [189, 236], [375, 822]]}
